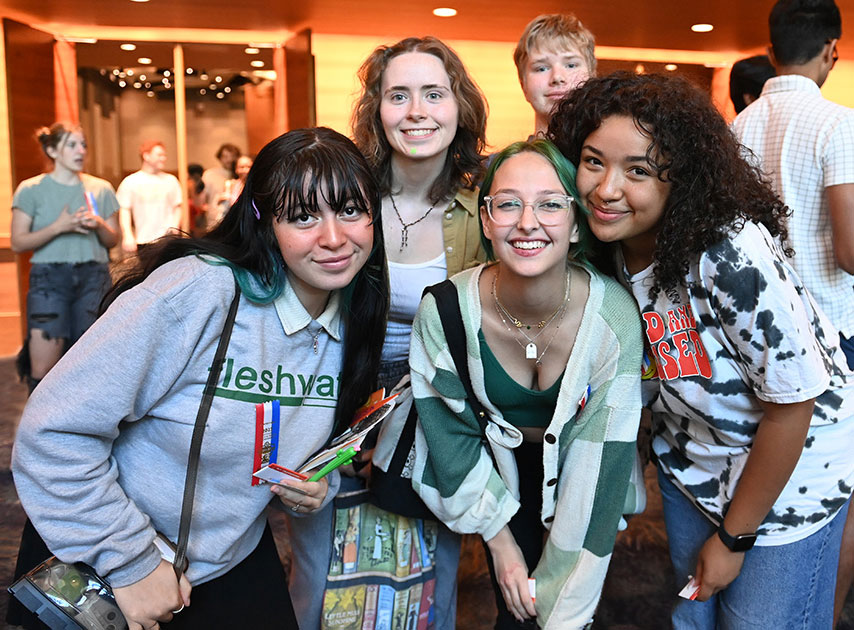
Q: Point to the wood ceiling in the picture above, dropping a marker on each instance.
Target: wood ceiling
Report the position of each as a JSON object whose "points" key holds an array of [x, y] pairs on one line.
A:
{"points": [[739, 24]]}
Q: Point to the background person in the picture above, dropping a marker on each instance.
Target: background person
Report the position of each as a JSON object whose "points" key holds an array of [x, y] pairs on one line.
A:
{"points": [[555, 53], [305, 244], [69, 238], [556, 364], [747, 78], [150, 200], [233, 187], [421, 122], [752, 402], [216, 176], [805, 144]]}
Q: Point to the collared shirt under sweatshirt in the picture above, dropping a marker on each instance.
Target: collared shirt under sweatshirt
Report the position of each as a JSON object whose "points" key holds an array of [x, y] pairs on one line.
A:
{"points": [[101, 452]]}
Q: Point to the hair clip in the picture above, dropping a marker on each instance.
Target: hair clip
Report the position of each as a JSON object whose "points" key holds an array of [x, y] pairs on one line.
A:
{"points": [[255, 208]]}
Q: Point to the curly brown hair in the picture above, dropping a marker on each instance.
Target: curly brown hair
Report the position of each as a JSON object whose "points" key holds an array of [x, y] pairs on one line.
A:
{"points": [[463, 164], [712, 187]]}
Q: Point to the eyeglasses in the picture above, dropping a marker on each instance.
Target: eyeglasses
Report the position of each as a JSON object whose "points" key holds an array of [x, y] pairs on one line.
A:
{"points": [[506, 210]]}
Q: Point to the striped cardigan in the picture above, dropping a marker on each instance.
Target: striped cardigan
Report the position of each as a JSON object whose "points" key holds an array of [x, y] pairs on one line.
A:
{"points": [[588, 453]]}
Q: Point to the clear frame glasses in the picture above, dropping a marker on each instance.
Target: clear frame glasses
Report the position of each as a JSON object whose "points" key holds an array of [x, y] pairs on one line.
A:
{"points": [[506, 210]]}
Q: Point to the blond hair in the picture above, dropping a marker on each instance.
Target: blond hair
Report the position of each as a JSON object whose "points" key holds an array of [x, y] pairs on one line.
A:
{"points": [[555, 31]]}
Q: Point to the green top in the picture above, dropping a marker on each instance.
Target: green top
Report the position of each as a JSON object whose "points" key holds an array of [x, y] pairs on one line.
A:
{"points": [[43, 199], [520, 406]]}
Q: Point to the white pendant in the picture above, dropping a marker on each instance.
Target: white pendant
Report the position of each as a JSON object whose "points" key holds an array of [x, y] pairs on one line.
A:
{"points": [[531, 351]]}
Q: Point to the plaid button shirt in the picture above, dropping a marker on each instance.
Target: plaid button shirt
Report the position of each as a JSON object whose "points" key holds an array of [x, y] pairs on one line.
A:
{"points": [[805, 144]]}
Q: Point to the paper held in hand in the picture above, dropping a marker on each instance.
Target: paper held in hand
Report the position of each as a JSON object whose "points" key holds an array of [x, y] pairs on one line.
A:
{"points": [[366, 418]]}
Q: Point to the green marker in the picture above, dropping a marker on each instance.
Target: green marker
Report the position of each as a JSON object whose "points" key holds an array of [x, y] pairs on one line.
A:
{"points": [[412, 150], [344, 456]]}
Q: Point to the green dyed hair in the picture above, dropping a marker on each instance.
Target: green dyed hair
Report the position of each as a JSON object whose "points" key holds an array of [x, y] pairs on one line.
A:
{"points": [[579, 251]]}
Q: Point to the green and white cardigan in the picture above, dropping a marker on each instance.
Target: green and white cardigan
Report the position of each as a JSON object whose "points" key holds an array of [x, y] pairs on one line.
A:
{"points": [[588, 451]]}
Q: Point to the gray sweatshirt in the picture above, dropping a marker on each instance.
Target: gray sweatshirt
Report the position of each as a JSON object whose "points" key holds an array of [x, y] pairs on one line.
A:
{"points": [[101, 452]]}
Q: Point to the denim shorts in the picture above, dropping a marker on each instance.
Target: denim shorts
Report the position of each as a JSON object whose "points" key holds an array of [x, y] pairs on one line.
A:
{"points": [[784, 587], [63, 298]]}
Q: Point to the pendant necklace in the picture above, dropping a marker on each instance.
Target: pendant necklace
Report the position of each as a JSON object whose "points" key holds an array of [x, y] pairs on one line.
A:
{"points": [[314, 336], [404, 236], [531, 350]]}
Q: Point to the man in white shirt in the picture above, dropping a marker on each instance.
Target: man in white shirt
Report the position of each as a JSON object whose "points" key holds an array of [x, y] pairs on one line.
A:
{"points": [[805, 144], [150, 200], [554, 55]]}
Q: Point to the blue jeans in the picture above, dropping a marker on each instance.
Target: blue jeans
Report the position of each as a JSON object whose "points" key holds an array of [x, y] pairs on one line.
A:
{"points": [[782, 587]]}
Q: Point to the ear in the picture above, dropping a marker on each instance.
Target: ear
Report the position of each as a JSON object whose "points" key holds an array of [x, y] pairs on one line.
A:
{"points": [[770, 51], [574, 235], [52, 153], [828, 50], [486, 223]]}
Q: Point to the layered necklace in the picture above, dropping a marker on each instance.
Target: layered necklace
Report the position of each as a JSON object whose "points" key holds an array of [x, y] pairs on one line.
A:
{"points": [[404, 235], [531, 350]]}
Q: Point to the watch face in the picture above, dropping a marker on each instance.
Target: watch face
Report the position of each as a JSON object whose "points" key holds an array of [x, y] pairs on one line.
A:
{"points": [[743, 542]]}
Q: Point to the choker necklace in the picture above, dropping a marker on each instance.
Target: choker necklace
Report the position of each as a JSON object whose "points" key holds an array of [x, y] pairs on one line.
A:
{"points": [[404, 236], [531, 350], [314, 336]]}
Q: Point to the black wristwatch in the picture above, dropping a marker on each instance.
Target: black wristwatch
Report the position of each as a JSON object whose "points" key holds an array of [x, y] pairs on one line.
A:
{"points": [[742, 542]]}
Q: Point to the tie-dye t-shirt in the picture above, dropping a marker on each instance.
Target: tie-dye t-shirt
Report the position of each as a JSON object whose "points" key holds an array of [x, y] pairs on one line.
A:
{"points": [[744, 329]]}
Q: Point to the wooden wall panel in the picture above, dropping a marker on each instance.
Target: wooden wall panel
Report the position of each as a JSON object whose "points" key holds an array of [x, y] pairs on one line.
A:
{"points": [[32, 104]]}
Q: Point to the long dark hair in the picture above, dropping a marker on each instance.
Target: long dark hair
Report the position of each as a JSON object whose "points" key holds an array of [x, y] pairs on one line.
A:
{"points": [[286, 179], [463, 164], [692, 148]]}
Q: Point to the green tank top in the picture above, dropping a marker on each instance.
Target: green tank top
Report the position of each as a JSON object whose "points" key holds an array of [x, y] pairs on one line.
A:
{"points": [[520, 406]]}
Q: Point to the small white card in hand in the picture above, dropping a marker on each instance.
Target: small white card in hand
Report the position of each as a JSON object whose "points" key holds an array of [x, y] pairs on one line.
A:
{"points": [[690, 590], [532, 589]]}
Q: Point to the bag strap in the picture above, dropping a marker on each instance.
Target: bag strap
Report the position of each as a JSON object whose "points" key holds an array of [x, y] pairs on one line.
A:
{"points": [[198, 434], [448, 305]]}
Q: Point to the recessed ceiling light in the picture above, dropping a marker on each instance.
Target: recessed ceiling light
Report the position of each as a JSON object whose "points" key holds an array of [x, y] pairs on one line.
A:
{"points": [[251, 51], [144, 60], [203, 91], [190, 71], [167, 73], [218, 79], [444, 12], [137, 84], [122, 83], [226, 89], [139, 0], [640, 69], [149, 93], [128, 46], [670, 67], [702, 28], [256, 63], [220, 95]]}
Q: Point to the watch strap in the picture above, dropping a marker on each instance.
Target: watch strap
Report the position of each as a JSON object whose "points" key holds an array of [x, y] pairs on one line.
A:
{"points": [[741, 542]]}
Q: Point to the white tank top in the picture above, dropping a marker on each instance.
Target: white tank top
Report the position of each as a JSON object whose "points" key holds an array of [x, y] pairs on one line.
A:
{"points": [[407, 284]]}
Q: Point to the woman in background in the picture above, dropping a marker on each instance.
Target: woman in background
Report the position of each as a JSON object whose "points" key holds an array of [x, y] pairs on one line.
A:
{"points": [[233, 187], [68, 220], [752, 401], [421, 123]]}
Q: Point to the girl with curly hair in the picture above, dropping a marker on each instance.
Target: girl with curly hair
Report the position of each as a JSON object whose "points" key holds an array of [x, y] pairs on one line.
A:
{"points": [[751, 399]]}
